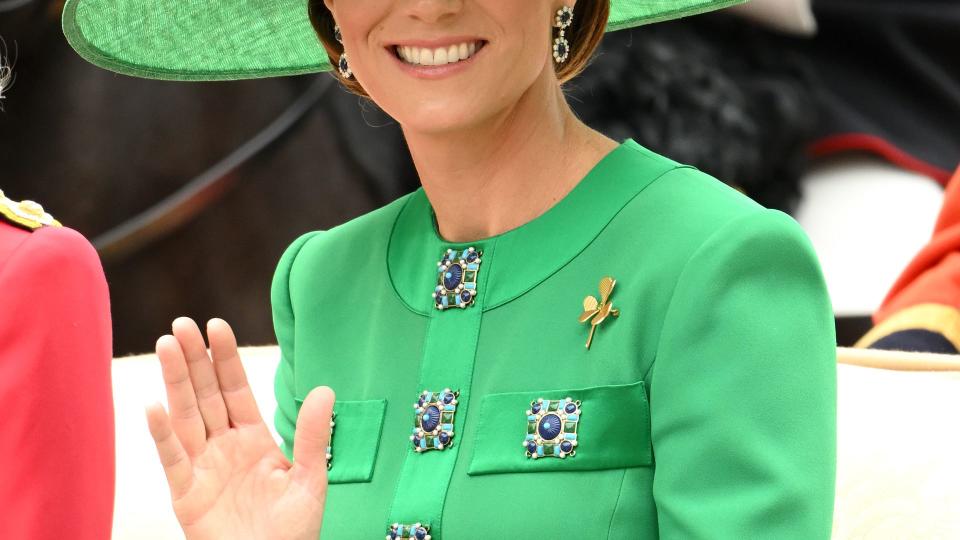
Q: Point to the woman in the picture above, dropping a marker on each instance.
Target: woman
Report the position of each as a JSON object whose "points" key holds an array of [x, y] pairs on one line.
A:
{"points": [[700, 406]]}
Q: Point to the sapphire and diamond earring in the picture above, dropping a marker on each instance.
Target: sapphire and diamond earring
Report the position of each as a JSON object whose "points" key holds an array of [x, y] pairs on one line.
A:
{"points": [[342, 64], [561, 47], [457, 278]]}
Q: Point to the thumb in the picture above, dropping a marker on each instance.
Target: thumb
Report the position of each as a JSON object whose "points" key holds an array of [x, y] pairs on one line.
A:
{"points": [[312, 436]]}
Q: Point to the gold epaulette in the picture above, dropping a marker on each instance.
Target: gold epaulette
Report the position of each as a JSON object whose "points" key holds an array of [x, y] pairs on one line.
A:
{"points": [[26, 214]]}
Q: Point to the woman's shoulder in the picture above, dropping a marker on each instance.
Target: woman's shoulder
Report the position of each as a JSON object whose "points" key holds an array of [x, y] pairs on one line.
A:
{"points": [[369, 232], [691, 206], [682, 211]]}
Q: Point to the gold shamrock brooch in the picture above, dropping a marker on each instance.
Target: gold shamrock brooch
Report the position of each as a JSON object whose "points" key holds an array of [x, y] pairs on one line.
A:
{"points": [[596, 311]]}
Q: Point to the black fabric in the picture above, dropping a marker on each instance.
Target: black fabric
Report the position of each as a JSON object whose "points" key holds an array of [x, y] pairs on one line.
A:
{"points": [[701, 91], [890, 68], [916, 340]]}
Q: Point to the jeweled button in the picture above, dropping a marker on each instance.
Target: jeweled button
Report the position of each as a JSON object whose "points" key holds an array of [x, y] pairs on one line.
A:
{"points": [[430, 418], [434, 420], [457, 279], [550, 427], [416, 531], [452, 277]]}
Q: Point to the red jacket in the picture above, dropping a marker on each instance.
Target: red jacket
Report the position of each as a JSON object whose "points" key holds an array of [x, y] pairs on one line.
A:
{"points": [[934, 273], [921, 312], [56, 407]]}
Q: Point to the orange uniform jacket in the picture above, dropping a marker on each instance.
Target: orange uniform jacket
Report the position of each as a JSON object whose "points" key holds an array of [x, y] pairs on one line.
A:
{"points": [[56, 408], [921, 312]]}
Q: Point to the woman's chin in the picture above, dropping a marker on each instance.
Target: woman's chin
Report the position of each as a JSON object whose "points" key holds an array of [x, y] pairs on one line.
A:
{"points": [[449, 118]]}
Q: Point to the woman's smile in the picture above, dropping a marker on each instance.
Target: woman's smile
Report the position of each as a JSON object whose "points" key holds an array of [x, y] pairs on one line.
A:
{"points": [[436, 58]]}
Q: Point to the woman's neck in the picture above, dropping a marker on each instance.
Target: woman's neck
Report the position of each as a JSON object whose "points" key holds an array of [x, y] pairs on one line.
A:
{"points": [[497, 176]]}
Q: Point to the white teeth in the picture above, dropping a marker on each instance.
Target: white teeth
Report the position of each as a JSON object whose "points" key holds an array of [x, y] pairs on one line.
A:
{"points": [[439, 56], [426, 57]]}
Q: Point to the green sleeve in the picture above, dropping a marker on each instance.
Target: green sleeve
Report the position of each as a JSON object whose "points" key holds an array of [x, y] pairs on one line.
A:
{"points": [[743, 389], [285, 418]]}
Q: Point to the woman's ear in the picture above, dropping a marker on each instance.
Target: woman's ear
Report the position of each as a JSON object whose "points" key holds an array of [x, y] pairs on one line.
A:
{"points": [[329, 4]]}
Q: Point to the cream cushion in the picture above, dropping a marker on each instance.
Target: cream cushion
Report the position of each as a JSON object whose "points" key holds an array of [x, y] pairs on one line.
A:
{"points": [[898, 444]]}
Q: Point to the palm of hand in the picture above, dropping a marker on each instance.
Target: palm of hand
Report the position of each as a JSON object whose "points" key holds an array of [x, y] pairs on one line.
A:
{"points": [[242, 482], [227, 476]]}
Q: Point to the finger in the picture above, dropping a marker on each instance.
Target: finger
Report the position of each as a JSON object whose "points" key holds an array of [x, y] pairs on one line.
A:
{"points": [[312, 437], [237, 395], [202, 375], [175, 461], [181, 400]]}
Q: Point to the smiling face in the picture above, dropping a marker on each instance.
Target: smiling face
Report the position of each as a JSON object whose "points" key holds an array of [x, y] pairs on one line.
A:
{"points": [[438, 65]]}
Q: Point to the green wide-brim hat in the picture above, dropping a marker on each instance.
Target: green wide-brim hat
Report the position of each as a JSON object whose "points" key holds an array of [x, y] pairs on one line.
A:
{"points": [[217, 40]]}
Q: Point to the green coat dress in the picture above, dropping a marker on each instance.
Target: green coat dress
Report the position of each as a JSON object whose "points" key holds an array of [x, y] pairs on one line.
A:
{"points": [[706, 409]]}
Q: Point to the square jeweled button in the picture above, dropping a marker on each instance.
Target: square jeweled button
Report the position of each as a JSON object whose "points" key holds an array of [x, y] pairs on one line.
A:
{"points": [[417, 531], [433, 423], [552, 428], [457, 278]]}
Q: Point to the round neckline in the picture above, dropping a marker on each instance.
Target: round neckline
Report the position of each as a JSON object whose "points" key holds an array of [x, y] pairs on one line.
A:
{"points": [[435, 227], [551, 239]]}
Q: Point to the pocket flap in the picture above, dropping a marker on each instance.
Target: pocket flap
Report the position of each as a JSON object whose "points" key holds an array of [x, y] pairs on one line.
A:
{"points": [[356, 438], [613, 431]]}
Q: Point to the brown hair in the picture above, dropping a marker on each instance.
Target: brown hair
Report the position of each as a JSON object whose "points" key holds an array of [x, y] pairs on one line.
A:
{"points": [[589, 24]]}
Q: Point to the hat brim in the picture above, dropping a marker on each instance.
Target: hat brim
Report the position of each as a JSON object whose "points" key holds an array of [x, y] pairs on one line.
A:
{"points": [[214, 40]]}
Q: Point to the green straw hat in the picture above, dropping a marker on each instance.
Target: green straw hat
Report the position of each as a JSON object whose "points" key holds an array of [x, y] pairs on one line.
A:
{"points": [[216, 40]]}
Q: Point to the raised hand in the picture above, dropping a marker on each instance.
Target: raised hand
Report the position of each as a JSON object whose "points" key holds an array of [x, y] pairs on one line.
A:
{"points": [[227, 476]]}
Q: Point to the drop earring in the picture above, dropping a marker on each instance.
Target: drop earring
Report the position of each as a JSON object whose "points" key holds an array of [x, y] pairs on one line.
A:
{"points": [[342, 64], [561, 47]]}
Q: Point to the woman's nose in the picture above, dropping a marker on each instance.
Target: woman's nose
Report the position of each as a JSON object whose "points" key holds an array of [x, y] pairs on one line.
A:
{"points": [[433, 11]]}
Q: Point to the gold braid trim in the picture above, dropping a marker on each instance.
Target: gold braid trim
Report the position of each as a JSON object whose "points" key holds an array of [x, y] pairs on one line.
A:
{"points": [[939, 318], [27, 214]]}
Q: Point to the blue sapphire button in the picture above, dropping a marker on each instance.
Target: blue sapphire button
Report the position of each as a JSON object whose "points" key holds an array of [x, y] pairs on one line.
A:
{"points": [[430, 418], [417, 531], [434, 420], [452, 277], [457, 274], [552, 428]]}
